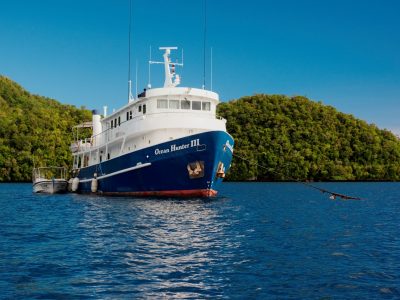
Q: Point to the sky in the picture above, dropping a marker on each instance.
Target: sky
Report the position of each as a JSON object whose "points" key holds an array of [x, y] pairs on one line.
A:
{"points": [[343, 53]]}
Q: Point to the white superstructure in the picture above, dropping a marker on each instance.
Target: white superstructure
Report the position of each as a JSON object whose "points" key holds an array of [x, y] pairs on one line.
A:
{"points": [[157, 115]]}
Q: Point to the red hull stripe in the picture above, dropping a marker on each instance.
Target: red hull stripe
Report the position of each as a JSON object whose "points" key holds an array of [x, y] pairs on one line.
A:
{"points": [[176, 193]]}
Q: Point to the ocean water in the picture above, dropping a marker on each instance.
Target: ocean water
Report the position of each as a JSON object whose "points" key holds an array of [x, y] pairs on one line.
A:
{"points": [[254, 241]]}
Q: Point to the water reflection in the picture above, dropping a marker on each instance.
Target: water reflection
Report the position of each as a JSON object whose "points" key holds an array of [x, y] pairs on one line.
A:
{"points": [[155, 247], [267, 241]]}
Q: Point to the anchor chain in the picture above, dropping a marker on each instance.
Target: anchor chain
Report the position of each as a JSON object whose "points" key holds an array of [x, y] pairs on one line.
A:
{"points": [[333, 195]]}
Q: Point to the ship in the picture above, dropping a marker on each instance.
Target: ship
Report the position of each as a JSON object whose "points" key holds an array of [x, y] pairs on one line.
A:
{"points": [[167, 141]]}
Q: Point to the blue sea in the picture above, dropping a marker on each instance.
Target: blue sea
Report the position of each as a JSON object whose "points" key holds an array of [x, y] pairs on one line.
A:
{"points": [[254, 241]]}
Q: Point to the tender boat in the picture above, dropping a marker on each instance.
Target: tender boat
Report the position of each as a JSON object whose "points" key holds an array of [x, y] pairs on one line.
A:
{"points": [[166, 142], [49, 180]]}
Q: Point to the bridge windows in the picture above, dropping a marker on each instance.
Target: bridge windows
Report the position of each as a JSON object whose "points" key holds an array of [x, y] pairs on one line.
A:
{"points": [[185, 104], [174, 104], [162, 103], [196, 105], [205, 105]]}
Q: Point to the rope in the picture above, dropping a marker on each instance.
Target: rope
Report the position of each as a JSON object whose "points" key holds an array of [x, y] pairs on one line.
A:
{"points": [[333, 195]]}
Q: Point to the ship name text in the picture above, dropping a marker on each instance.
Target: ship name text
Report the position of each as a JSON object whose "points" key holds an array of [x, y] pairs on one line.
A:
{"points": [[175, 147]]}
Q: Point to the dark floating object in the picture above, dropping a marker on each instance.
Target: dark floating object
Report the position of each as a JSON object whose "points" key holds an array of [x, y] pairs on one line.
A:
{"points": [[332, 196]]}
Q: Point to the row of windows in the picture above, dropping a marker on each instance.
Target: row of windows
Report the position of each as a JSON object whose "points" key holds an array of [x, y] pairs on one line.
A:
{"points": [[129, 115], [184, 104], [165, 104]]}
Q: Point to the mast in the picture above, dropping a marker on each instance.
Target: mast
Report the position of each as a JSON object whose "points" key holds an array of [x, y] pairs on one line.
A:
{"points": [[149, 84], [211, 71], [169, 68], [136, 78], [204, 44], [130, 96]]}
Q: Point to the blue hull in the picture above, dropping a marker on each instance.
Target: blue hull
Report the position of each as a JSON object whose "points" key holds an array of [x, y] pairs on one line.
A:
{"points": [[190, 166]]}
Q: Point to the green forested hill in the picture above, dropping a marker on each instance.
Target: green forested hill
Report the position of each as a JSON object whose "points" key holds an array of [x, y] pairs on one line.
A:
{"points": [[296, 138], [33, 128]]}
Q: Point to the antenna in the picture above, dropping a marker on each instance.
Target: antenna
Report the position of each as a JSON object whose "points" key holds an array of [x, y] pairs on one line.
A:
{"points": [[211, 67], [149, 84], [180, 77], [130, 97], [136, 77], [204, 44]]}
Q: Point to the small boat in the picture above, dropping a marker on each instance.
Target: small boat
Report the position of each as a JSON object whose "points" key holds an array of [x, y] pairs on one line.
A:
{"points": [[49, 180]]}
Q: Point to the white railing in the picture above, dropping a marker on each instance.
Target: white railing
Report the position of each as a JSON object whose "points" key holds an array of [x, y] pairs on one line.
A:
{"points": [[82, 145], [111, 134]]}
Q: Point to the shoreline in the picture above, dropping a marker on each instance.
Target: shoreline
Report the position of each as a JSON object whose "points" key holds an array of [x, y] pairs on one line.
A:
{"points": [[271, 181]]}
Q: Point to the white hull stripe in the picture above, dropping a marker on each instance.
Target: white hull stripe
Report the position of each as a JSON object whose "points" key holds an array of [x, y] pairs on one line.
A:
{"points": [[118, 172]]}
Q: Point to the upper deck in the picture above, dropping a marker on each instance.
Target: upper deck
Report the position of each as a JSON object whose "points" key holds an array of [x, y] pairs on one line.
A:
{"points": [[177, 91], [179, 110], [157, 95]]}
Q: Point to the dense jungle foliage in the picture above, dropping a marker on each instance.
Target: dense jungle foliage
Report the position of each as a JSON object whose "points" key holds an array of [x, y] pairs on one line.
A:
{"points": [[295, 138], [33, 129]]}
